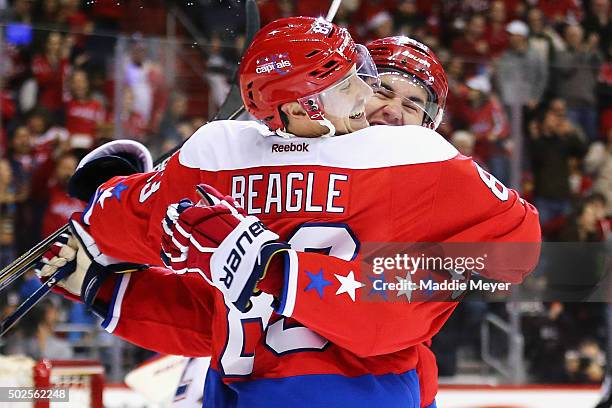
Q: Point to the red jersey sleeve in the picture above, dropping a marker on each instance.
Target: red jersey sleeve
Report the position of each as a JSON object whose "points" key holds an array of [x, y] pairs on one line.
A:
{"points": [[160, 310], [125, 214], [471, 205], [467, 205], [324, 293]]}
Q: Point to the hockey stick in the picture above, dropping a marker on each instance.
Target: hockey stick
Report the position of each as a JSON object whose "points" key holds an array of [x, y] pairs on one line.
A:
{"points": [[333, 9], [230, 109], [36, 297]]}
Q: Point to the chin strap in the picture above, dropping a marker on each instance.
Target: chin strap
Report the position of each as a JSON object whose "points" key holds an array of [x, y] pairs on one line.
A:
{"points": [[323, 122], [283, 134]]}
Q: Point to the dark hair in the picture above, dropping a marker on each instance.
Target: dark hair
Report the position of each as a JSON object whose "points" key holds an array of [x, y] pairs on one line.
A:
{"points": [[283, 117], [596, 196]]}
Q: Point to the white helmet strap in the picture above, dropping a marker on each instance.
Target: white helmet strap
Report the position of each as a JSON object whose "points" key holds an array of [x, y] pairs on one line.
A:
{"points": [[322, 121], [325, 122]]}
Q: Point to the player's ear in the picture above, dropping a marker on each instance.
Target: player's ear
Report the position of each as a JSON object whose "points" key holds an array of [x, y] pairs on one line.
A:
{"points": [[294, 110]]}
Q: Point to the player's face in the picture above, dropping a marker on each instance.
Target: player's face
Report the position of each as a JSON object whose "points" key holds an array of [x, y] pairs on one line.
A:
{"points": [[353, 93], [399, 101], [343, 104]]}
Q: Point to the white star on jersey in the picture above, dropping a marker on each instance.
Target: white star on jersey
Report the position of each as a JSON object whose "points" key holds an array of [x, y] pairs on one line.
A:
{"points": [[105, 194], [406, 283], [348, 284]]}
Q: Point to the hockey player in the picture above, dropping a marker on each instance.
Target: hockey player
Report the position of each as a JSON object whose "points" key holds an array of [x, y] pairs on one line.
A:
{"points": [[413, 92], [413, 89], [307, 337]]}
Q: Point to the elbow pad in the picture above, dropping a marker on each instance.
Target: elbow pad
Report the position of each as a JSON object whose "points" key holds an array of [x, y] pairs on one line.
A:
{"points": [[116, 158]]}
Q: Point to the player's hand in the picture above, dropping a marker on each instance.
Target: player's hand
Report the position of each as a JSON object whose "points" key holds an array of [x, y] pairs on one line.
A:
{"points": [[88, 267], [217, 239], [63, 252]]}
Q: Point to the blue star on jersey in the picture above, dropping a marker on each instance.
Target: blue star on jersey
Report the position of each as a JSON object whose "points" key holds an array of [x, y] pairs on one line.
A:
{"points": [[119, 188], [317, 282], [429, 291], [374, 291]]}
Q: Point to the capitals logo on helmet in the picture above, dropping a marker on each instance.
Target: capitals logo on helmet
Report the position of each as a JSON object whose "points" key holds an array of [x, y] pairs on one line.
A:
{"points": [[408, 56], [292, 58]]}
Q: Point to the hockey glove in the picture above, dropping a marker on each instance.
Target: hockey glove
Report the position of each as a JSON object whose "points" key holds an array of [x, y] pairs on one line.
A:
{"points": [[217, 239], [89, 267], [116, 158]]}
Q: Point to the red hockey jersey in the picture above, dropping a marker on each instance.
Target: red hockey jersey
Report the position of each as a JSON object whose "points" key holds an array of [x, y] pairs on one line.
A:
{"points": [[323, 346]]}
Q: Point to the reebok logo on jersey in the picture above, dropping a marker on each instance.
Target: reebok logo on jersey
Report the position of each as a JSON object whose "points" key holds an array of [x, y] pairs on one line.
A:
{"points": [[291, 147]]}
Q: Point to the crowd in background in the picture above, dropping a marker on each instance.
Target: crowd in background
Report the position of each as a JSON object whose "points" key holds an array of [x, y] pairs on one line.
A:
{"points": [[546, 62]]}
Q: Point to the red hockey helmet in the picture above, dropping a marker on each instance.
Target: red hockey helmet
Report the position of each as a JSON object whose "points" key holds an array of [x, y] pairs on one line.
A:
{"points": [[410, 57], [299, 59]]}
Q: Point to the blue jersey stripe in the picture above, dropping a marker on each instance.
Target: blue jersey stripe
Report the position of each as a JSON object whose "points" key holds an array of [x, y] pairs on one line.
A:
{"points": [[311, 391]]}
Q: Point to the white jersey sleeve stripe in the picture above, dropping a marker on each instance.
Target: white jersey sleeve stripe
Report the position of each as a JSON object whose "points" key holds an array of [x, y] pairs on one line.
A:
{"points": [[112, 320], [291, 279]]}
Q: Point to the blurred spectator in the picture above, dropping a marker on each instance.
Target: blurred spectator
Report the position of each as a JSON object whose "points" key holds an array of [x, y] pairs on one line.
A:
{"points": [[598, 162], [456, 92], [52, 191], [495, 33], [521, 73], [464, 141], [8, 304], [553, 141], [46, 135], [184, 131], [21, 155], [560, 11], [579, 181], [472, 46], [83, 113], [584, 224], [78, 314], [50, 70], [576, 72], [76, 21], [604, 92], [546, 339], [8, 208], [7, 112], [29, 284], [586, 364], [368, 9], [485, 118], [599, 23], [346, 17], [20, 12], [47, 13], [22, 160], [146, 80], [168, 129], [407, 20], [380, 25], [271, 10], [217, 73], [542, 38], [133, 125], [40, 341]]}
